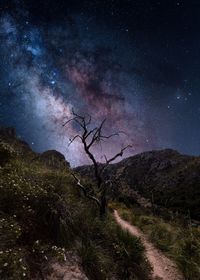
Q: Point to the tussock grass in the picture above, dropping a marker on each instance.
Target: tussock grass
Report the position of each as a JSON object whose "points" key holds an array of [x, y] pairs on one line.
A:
{"points": [[43, 215], [181, 243]]}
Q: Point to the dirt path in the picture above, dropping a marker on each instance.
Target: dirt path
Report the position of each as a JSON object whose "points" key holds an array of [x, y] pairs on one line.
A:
{"points": [[163, 268]]}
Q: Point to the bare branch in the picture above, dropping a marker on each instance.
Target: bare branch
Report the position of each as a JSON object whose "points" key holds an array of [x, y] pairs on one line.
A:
{"points": [[109, 136], [90, 132], [76, 115], [120, 154], [68, 121], [89, 120], [108, 161], [75, 119], [97, 135], [86, 194], [113, 134], [102, 124], [89, 137], [72, 140]]}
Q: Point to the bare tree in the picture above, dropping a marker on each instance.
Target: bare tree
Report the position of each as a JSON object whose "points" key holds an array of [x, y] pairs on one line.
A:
{"points": [[89, 137]]}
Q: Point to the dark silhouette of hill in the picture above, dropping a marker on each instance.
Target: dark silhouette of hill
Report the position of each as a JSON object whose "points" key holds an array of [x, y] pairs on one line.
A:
{"points": [[170, 179]]}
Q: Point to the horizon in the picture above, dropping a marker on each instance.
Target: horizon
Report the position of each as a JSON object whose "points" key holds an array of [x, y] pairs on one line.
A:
{"points": [[135, 64], [88, 161]]}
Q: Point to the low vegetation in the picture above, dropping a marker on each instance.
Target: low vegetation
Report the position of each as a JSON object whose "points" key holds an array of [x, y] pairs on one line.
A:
{"points": [[43, 215], [179, 241]]}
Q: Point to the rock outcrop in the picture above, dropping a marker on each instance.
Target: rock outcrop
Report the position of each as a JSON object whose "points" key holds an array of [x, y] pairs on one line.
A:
{"points": [[53, 158]]}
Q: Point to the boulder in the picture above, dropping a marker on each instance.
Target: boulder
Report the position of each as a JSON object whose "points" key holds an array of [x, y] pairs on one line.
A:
{"points": [[53, 158]]}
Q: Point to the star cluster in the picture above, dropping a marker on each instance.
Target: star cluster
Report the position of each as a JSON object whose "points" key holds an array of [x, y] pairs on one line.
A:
{"points": [[137, 75]]}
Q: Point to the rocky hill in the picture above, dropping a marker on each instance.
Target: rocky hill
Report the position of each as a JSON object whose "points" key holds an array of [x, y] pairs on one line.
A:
{"points": [[51, 158], [164, 177], [49, 230]]}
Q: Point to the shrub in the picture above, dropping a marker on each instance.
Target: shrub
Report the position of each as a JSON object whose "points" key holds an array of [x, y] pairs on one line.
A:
{"points": [[5, 154], [180, 243], [10, 231], [42, 215], [188, 257], [162, 237], [13, 264]]}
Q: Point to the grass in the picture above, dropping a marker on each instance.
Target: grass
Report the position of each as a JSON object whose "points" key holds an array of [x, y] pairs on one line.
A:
{"points": [[181, 243], [43, 215]]}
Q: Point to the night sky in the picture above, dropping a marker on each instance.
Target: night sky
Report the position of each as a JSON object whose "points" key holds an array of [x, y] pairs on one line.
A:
{"points": [[135, 63]]}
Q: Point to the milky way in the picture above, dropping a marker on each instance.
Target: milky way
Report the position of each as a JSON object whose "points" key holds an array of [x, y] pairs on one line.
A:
{"points": [[49, 69]]}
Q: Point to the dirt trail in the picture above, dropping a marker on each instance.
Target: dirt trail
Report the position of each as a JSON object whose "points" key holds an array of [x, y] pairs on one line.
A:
{"points": [[163, 268]]}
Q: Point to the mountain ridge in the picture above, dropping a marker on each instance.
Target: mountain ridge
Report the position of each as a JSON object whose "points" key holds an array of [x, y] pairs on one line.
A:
{"points": [[168, 177], [171, 179], [49, 230]]}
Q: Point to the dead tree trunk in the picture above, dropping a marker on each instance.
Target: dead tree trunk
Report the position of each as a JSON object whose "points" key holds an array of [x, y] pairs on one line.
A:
{"points": [[90, 137]]}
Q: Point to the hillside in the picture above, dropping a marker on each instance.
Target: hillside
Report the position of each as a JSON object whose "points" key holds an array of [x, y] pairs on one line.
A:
{"points": [[48, 230], [168, 178]]}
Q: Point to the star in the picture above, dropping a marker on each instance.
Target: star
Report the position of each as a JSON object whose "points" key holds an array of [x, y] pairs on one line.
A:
{"points": [[88, 59], [34, 50]]}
